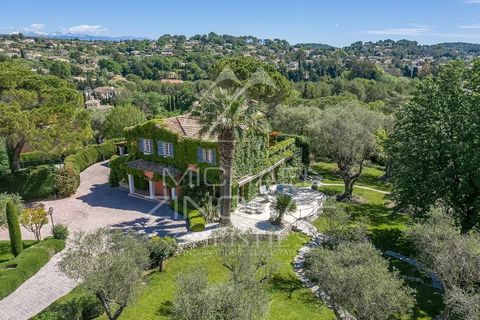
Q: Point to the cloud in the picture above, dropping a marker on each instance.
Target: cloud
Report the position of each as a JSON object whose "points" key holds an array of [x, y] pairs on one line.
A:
{"points": [[34, 27], [86, 29], [470, 26], [414, 31]]}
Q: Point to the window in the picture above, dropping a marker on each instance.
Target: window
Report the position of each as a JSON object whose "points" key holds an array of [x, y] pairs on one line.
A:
{"points": [[147, 146], [165, 149], [206, 155]]}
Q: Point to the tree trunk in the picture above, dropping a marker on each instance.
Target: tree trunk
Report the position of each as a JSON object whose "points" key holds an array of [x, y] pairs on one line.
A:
{"points": [[347, 193], [388, 172], [107, 309], [227, 152], [13, 152], [160, 265]]}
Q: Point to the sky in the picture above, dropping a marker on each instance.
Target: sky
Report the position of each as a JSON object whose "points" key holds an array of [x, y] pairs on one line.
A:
{"points": [[337, 23]]}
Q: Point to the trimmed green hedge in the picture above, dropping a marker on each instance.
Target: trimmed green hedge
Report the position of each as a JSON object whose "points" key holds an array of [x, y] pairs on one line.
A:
{"points": [[16, 271], [30, 183], [196, 221], [90, 155], [35, 158]]}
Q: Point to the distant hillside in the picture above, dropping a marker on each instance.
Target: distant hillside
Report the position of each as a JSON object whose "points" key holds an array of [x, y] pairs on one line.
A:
{"points": [[461, 46], [315, 46], [86, 37]]}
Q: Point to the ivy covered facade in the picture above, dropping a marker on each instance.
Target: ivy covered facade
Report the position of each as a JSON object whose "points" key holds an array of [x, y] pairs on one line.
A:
{"points": [[169, 157]]}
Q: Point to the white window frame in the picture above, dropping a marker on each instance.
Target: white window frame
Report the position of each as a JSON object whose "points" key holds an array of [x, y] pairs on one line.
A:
{"points": [[167, 151], [147, 146], [207, 155]]}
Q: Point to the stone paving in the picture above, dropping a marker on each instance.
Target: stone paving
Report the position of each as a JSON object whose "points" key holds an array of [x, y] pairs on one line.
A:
{"points": [[36, 293]]}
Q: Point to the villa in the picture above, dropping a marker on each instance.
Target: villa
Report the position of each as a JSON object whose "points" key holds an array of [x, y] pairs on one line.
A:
{"points": [[168, 155]]}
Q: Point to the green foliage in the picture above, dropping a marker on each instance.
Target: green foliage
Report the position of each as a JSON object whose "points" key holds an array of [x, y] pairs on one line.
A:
{"points": [[185, 149], [60, 232], [283, 204], [14, 231], [118, 170], [120, 118], [16, 271], [30, 183], [82, 306], [437, 162], [43, 110], [66, 182], [36, 158], [160, 249], [196, 221], [110, 263], [251, 154], [356, 278], [90, 155]]}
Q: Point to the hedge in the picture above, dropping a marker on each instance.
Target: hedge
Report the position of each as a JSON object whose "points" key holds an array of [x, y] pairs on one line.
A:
{"points": [[17, 270], [30, 183], [195, 220], [46, 180], [90, 155], [36, 158]]}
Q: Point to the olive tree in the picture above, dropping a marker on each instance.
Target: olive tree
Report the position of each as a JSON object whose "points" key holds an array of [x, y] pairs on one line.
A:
{"points": [[357, 279], [345, 133], [454, 257], [110, 264]]}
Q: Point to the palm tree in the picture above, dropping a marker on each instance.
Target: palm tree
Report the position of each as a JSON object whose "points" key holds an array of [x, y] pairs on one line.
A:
{"points": [[227, 114], [283, 204]]}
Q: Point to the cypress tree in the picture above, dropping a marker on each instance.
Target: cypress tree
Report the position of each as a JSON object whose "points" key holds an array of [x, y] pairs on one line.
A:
{"points": [[14, 228]]}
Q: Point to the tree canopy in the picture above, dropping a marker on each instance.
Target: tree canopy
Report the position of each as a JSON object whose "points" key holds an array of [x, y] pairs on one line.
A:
{"points": [[433, 147], [44, 111]]}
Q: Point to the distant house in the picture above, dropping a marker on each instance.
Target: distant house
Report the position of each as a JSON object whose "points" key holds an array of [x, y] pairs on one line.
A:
{"points": [[104, 93], [92, 104]]}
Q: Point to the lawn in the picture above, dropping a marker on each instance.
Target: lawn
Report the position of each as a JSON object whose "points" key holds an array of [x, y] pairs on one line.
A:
{"points": [[386, 231], [289, 299], [16, 270]]}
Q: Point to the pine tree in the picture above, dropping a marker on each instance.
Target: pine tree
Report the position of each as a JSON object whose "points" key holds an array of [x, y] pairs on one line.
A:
{"points": [[14, 228]]}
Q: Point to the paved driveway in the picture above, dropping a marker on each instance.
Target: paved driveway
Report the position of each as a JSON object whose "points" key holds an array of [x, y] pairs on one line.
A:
{"points": [[96, 204]]}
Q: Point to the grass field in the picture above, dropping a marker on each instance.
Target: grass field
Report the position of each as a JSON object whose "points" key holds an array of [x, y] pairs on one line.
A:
{"points": [[288, 298], [386, 231]]}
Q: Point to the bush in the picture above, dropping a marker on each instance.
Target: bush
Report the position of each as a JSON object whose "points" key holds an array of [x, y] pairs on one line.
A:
{"points": [[60, 232], [30, 183], [66, 182], [16, 271], [118, 172], [196, 221], [90, 155], [14, 228], [81, 306], [35, 158], [160, 249]]}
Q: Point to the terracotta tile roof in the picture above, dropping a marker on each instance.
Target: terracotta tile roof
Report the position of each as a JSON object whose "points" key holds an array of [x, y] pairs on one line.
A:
{"points": [[185, 126]]}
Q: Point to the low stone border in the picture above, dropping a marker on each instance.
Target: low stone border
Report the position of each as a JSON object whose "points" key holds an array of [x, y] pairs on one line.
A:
{"points": [[298, 268]]}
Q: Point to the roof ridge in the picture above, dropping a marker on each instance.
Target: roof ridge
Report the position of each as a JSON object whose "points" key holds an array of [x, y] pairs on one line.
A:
{"points": [[181, 127]]}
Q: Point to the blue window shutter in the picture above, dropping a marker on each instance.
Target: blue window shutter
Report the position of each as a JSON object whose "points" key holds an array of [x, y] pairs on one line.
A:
{"points": [[171, 149], [199, 154], [140, 145], [160, 148], [214, 156]]}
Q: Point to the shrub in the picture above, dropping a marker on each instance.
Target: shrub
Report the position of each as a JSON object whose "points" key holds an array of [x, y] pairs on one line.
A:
{"points": [[35, 158], [90, 155], [160, 249], [66, 182], [14, 272], [81, 306], [196, 221], [14, 228], [33, 219], [30, 183], [118, 170], [60, 232]]}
